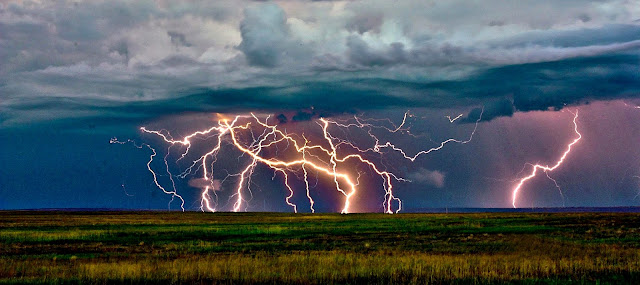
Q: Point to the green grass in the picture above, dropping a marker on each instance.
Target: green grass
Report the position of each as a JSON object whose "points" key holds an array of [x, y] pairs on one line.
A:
{"points": [[222, 248]]}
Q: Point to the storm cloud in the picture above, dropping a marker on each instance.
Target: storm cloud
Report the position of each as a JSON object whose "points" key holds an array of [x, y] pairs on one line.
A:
{"points": [[64, 60]]}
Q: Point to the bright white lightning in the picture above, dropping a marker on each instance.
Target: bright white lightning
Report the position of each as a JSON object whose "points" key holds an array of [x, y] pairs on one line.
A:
{"points": [[331, 157], [547, 168], [451, 120], [173, 193]]}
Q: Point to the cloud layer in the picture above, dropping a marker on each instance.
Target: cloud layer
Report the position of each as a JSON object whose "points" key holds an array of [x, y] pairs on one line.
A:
{"points": [[429, 177], [124, 60]]}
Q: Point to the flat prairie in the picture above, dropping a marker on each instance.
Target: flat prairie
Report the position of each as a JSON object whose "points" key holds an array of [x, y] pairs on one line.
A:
{"points": [[57, 247]]}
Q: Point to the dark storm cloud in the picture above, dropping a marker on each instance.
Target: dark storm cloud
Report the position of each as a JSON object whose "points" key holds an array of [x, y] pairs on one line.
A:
{"points": [[607, 34], [490, 111], [360, 53], [502, 91], [67, 61], [178, 39], [264, 35], [365, 22]]}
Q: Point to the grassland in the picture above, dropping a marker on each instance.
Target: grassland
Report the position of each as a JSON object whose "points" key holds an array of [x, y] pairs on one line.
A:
{"points": [[221, 248]]}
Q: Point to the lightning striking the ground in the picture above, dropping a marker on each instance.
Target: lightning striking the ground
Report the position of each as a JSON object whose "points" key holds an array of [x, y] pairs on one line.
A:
{"points": [[546, 168], [295, 158], [174, 193]]}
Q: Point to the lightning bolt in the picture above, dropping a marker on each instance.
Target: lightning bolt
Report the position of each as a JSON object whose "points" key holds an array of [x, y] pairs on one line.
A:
{"points": [[451, 120], [636, 196], [547, 168], [173, 193], [378, 146], [631, 106], [290, 156], [125, 190]]}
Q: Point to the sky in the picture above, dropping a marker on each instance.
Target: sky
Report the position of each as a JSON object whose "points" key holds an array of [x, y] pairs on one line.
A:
{"points": [[76, 74]]}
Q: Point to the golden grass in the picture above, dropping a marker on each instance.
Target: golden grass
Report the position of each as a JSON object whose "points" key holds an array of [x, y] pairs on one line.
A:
{"points": [[286, 249], [336, 266], [329, 267]]}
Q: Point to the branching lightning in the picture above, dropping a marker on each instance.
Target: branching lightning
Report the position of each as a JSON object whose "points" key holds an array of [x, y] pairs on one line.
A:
{"points": [[290, 156], [546, 168], [451, 120], [173, 193]]}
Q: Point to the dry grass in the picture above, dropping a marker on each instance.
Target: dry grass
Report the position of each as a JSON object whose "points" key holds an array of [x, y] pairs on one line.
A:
{"points": [[318, 249]]}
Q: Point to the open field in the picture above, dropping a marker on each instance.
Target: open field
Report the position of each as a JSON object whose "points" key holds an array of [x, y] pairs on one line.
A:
{"points": [[222, 248]]}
